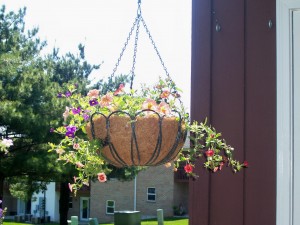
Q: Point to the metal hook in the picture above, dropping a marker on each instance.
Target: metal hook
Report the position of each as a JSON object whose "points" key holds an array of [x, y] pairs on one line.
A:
{"points": [[139, 10], [218, 26], [270, 24]]}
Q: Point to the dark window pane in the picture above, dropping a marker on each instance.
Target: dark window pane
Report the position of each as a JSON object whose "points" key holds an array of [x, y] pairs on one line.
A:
{"points": [[110, 210], [151, 190], [151, 197]]}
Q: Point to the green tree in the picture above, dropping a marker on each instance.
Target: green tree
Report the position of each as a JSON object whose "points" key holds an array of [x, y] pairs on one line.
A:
{"points": [[29, 83], [29, 107]]}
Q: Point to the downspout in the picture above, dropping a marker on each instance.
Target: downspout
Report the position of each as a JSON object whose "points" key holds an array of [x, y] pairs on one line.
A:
{"points": [[134, 194]]}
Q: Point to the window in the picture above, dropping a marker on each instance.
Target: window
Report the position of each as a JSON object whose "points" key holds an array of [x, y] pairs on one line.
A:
{"points": [[151, 196], [70, 202], [110, 207]]}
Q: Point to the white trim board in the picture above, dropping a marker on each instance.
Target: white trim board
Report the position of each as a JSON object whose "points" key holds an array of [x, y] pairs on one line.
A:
{"points": [[285, 114]]}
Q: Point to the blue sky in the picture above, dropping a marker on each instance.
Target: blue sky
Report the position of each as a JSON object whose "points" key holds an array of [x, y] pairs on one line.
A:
{"points": [[103, 26]]}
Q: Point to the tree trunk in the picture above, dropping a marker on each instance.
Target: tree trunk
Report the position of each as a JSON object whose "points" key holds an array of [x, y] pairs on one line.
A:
{"points": [[64, 203]]}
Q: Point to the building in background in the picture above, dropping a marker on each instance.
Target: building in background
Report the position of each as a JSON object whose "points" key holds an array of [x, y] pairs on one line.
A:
{"points": [[154, 188]]}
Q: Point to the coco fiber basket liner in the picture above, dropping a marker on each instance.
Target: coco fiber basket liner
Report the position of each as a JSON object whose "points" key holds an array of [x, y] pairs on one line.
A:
{"points": [[138, 141]]}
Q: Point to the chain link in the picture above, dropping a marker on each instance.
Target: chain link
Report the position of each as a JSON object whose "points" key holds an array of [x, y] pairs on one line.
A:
{"points": [[135, 51], [137, 21], [123, 49], [155, 48]]}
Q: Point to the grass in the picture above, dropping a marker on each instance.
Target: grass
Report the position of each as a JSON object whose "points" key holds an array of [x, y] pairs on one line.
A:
{"points": [[167, 221]]}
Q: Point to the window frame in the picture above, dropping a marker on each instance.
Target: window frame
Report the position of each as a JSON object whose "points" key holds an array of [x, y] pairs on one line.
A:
{"points": [[107, 206], [151, 194]]}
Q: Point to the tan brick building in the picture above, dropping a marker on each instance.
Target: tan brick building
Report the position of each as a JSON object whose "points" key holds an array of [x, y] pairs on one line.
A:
{"points": [[154, 188]]}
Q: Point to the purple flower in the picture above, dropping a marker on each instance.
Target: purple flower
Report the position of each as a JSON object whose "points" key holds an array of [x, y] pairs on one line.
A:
{"points": [[51, 130], [68, 94], [76, 110], [93, 102], [59, 95], [71, 129], [70, 134], [86, 117]]}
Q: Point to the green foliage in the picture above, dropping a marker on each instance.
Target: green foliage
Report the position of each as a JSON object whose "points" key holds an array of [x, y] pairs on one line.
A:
{"points": [[206, 142], [23, 187], [111, 84], [29, 83]]}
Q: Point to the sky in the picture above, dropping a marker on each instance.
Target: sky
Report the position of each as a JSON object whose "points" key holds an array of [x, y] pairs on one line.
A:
{"points": [[103, 27]]}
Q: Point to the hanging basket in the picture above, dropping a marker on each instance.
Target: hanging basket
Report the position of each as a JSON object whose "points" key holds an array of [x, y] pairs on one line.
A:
{"points": [[143, 139], [146, 139]]}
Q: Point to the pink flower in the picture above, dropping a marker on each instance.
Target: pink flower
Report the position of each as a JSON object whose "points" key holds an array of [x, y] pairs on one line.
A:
{"points": [[149, 104], [221, 165], [76, 146], [79, 165], [74, 178], [164, 108], [165, 94], [188, 168], [106, 100], [245, 163], [93, 93], [70, 187], [60, 151], [210, 153], [66, 113], [102, 177], [119, 90], [168, 164], [215, 169]]}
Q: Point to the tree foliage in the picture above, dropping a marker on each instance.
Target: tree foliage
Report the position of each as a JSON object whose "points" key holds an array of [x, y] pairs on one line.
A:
{"points": [[29, 83], [29, 107]]}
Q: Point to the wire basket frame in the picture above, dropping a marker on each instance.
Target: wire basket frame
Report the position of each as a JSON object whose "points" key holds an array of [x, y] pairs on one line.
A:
{"points": [[138, 140]]}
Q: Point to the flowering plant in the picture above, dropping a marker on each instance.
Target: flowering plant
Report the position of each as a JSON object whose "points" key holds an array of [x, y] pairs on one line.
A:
{"points": [[206, 141], [5, 144], [162, 99], [2, 214]]}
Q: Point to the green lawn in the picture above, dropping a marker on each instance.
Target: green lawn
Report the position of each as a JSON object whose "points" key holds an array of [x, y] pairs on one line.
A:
{"points": [[168, 221]]}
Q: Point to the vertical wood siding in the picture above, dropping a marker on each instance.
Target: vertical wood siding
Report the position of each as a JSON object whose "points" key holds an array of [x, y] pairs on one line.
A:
{"points": [[233, 84]]}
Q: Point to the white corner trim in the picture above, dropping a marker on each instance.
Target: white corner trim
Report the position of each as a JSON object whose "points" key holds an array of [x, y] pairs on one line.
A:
{"points": [[285, 118]]}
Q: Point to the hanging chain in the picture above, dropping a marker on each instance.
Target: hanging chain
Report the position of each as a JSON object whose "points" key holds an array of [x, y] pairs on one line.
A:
{"points": [[135, 51], [123, 49], [137, 23], [155, 48]]}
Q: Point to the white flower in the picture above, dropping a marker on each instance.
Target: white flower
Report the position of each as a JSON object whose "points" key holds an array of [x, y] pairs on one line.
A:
{"points": [[66, 113], [7, 142]]}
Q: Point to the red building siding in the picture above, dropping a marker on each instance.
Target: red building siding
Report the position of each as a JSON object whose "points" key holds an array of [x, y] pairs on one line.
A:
{"points": [[233, 84]]}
